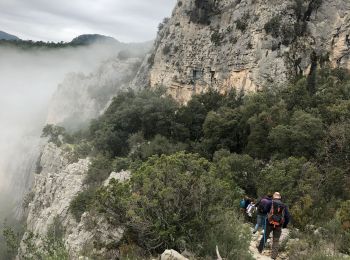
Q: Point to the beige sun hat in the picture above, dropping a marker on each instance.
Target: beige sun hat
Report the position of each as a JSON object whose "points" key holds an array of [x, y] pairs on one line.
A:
{"points": [[277, 196]]}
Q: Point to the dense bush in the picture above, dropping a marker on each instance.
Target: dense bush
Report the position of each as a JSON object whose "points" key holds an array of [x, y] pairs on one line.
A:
{"points": [[157, 146], [82, 203], [99, 170], [238, 169], [55, 134], [242, 23], [130, 113], [181, 197], [231, 237], [12, 240], [216, 37], [50, 247], [273, 26]]}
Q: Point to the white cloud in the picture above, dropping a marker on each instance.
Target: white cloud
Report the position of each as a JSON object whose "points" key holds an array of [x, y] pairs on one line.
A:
{"points": [[48, 20]]}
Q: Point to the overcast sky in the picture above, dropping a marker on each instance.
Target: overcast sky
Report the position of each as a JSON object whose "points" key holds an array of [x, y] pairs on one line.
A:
{"points": [[62, 20]]}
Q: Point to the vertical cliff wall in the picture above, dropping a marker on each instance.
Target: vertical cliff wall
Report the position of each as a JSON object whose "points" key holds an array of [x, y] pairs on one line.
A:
{"points": [[55, 186], [245, 44]]}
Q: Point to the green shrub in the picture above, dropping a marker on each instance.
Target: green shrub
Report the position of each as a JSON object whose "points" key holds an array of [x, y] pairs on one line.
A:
{"points": [[83, 149], [301, 138], [12, 239], [287, 33], [216, 37], [82, 203], [179, 195], [54, 133], [230, 235], [99, 170], [343, 215], [238, 169], [121, 163], [159, 145], [151, 112], [242, 23], [51, 246], [273, 26]]}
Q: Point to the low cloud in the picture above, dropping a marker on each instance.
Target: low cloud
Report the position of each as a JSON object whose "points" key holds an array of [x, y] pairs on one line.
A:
{"points": [[28, 79], [131, 20]]}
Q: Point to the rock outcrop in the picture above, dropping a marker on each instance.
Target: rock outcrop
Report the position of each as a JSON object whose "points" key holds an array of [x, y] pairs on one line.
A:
{"points": [[172, 255], [121, 176], [58, 183], [245, 44]]}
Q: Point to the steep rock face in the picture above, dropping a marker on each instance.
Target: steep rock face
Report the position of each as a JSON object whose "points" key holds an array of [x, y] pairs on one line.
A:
{"points": [[245, 44], [81, 98], [54, 188]]}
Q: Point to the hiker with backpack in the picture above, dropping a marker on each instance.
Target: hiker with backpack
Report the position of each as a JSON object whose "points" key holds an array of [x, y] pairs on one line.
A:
{"points": [[251, 209], [262, 210], [277, 218], [243, 204]]}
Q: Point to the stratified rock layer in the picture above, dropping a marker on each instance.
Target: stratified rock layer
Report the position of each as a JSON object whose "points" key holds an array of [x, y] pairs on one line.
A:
{"points": [[224, 44]]}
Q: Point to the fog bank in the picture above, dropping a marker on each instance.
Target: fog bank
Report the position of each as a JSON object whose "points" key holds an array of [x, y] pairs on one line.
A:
{"points": [[28, 78]]}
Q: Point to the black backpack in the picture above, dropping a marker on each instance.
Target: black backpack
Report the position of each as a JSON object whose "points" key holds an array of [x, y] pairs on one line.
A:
{"points": [[277, 213], [261, 208], [262, 205]]}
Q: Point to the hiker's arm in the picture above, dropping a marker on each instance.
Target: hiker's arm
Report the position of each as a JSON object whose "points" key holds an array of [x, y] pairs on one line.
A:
{"points": [[286, 218], [257, 203]]}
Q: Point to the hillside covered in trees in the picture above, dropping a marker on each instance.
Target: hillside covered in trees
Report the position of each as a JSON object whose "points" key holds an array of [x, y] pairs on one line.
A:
{"points": [[191, 164]]}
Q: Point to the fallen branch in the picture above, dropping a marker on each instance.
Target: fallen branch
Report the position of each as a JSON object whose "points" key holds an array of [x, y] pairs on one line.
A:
{"points": [[218, 253]]}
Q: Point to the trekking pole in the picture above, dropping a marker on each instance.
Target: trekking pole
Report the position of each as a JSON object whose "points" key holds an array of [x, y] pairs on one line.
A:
{"points": [[264, 232]]}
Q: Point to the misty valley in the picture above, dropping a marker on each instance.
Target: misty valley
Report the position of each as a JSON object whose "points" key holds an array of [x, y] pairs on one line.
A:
{"points": [[67, 85]]}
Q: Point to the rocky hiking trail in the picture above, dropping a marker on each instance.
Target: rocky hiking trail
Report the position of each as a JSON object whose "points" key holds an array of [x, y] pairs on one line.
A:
{"points": [[266, 254]]}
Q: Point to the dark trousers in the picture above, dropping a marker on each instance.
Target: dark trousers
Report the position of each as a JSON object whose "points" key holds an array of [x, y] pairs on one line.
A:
{"points": [[276, 234]]}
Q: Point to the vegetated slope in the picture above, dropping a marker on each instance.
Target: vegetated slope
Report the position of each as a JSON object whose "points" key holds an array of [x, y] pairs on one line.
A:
{"points": [[191, 164], [87, 39], [8, 37], [245, 44]]}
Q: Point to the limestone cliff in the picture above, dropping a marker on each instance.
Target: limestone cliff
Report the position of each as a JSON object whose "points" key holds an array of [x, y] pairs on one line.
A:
{"points": [[245, 44], [54, 188]]}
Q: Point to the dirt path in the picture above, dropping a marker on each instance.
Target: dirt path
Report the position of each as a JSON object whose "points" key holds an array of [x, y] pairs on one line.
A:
{"points": [[253, 244], [266, 254]]}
